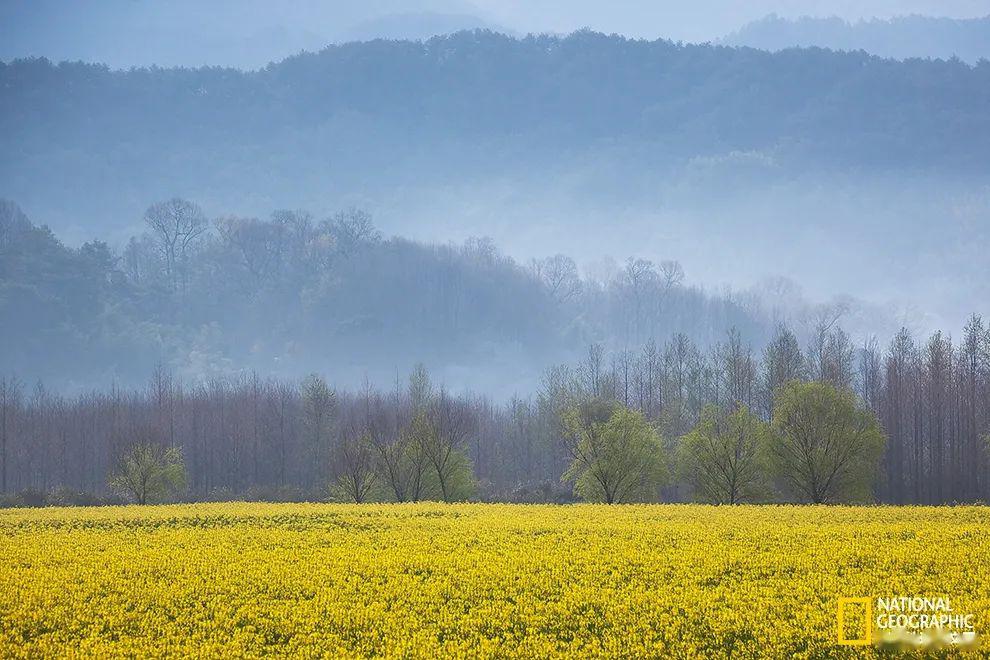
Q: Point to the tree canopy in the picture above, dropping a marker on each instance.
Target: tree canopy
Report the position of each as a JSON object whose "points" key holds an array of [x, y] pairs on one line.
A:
{"points": [[150, 472], [724, 457], [826, 444], [616, 455]]}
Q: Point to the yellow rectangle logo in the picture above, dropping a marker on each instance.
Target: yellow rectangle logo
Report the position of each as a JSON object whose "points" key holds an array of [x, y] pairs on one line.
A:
{"points": [[867, 605]]}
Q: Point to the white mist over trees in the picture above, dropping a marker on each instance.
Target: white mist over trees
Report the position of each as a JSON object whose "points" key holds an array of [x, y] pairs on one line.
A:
{"points": [[290, 294]]}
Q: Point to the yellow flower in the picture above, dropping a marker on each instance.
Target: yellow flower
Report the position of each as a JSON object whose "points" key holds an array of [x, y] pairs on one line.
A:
{"points": [[470, 580]]}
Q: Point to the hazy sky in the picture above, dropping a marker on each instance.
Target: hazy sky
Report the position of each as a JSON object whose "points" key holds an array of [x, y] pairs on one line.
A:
{"points": [[250, 33]]}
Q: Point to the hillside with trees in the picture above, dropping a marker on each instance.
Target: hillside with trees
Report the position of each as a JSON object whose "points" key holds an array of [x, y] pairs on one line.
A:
{"points": [[289, 294], [315, 127]]}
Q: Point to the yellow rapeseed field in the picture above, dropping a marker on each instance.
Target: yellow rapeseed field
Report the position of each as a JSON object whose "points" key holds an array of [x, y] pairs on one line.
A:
{"points": [[470, 580]]}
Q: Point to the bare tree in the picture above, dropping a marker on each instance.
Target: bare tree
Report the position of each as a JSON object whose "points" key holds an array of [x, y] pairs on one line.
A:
{"points": [[830, 356], [356, 476], [10, 399], [783, 362], [391, 443], [649, 381], [737, 368], [177, 225], [319, 402], [638, 285], [900, 371], [937, 368], [257, 246], [451, 422], [595, 380], [350, 229], [671, 274], [559, 275], [870, 382]]}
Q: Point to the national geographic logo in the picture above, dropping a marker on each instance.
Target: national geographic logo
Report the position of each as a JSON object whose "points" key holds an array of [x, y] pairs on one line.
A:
{"points": [[864, 621], [905, 623]]}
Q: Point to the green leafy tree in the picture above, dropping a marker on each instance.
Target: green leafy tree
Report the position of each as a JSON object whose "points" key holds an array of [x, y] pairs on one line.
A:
{"points": [[724, 456], [826, 445], [616, 455], [149, 472]]}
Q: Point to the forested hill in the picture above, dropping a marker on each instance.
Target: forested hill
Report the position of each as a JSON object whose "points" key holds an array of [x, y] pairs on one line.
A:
{"points": [[381, 114], [291, 294]]}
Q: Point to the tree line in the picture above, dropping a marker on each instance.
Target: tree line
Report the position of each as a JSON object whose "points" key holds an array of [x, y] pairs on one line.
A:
{"points": [[822, 422]]}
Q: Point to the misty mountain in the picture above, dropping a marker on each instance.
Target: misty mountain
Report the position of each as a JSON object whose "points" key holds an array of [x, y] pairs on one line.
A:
{"points": [[366, 116], [871, 172], [901, 37]]}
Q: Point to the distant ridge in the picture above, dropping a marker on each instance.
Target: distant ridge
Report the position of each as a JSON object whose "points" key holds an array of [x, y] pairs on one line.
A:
{"points": [[416, 26], [900, 38]]}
